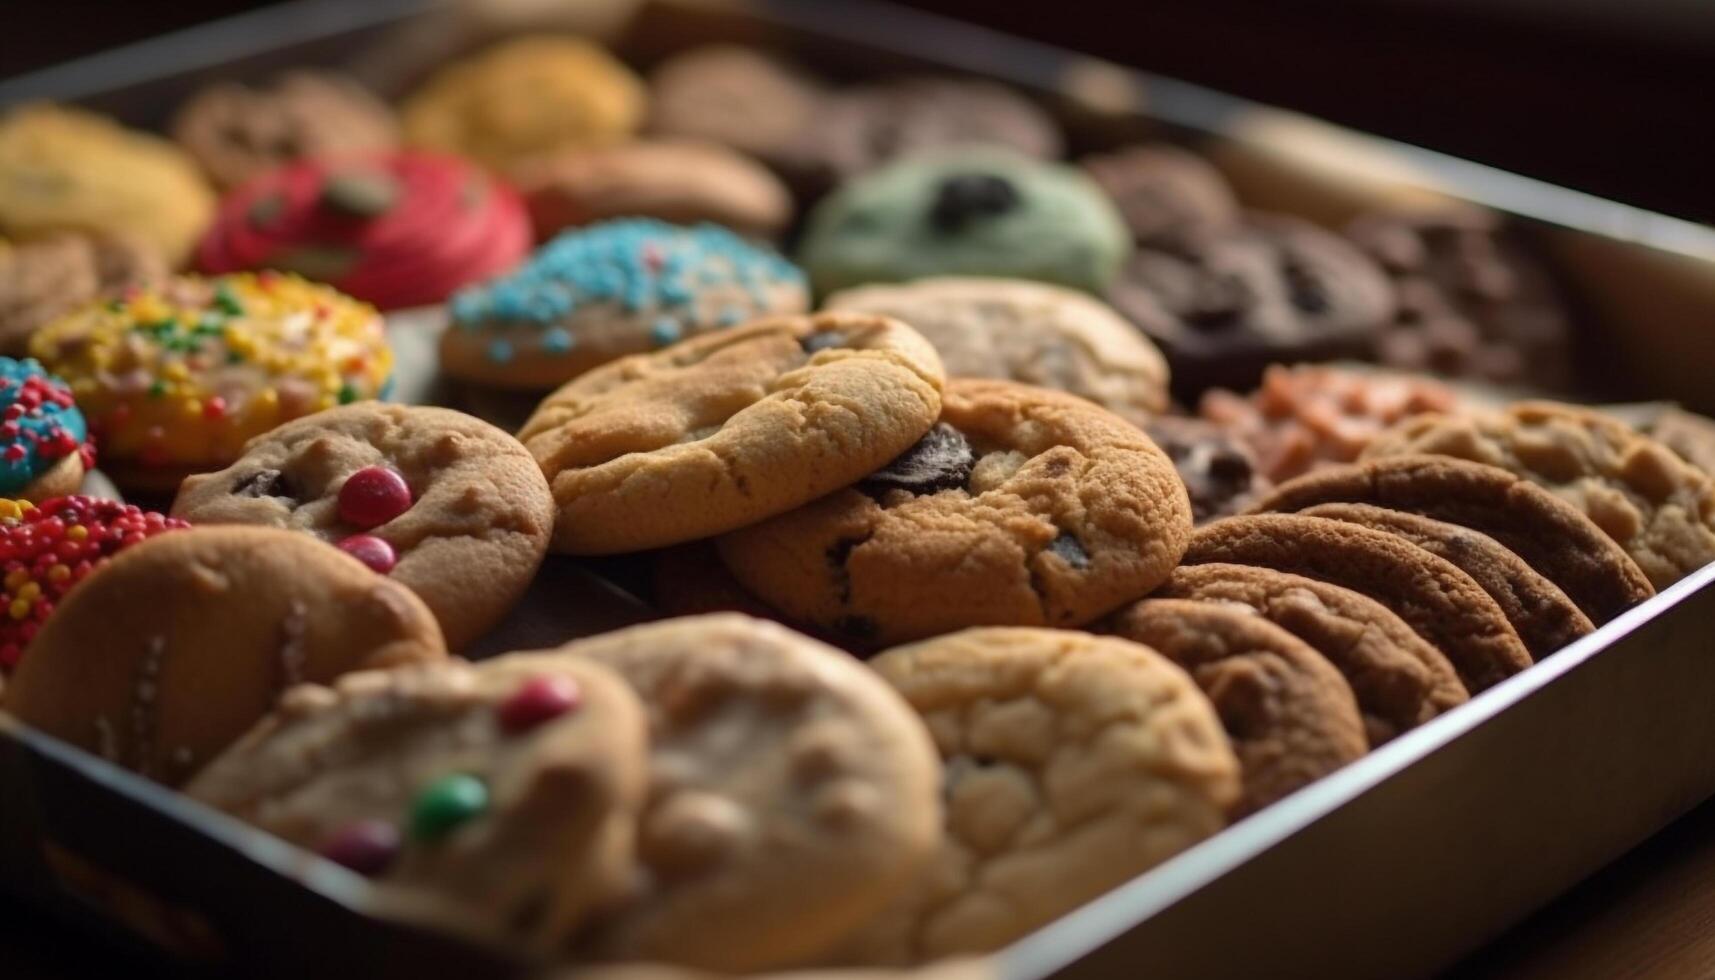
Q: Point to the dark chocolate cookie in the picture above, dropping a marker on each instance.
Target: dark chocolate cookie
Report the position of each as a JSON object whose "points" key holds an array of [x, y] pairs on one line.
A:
{"points": [[1219, 471], [1165, 194]]}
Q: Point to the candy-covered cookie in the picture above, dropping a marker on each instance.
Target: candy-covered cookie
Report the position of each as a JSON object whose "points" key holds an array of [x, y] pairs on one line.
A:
{"points": [[621, 287], [1032, 332], [44, 443], [396, 230], [1220, 472], [444, 503], [525, 96], [1022, 507], [497, 799], [1290, 715], [179, 644], [965, 212], [1165, 194], [1660, 508], [792, 795], [1073, 764], [731, 428], [739, 97], [176, 380], [237, 131], [66, 169], [44, 278]]}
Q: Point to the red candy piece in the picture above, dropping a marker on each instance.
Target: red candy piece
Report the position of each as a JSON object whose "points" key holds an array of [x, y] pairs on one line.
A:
{"points": [[538, 700], [373, 496], [367, 847], [372, 551]]}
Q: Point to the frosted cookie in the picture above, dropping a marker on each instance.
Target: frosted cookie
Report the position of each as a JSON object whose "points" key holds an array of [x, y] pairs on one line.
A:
{"points": [[44, 443]]}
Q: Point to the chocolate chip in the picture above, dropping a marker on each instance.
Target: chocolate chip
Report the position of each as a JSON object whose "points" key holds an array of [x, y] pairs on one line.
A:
{"points": [[855, 627], [822, 340], [1220, 302], [838, 554], [264, 483], [1070, 550], [941, 460], [963, 198], [1308, 292]]}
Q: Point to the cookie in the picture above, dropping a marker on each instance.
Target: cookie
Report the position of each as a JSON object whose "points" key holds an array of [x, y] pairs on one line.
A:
{"points": [[397, 230], [1224, 305], [1690, 435], [497, 800], [1431, 594], [738, 97], [45, 278], [1165, 194], [1291, 717], [51, 548], [44, 443], [600, 293], [175, 380], [179, 644], [1031, 332], [1472, 301], [678, 181], [1073, 764], [1309, 415], [728, 429], [445, 504], [525, 96], [792, 795], [1544, 617], [1399, 680], [1022, 507], [1660, 508], [1219, 471], [965, 212], [237, 131], [1551, 535]]}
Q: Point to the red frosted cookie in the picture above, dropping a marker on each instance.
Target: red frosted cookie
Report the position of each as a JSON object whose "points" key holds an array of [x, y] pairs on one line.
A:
{"points": [[398, 230]]}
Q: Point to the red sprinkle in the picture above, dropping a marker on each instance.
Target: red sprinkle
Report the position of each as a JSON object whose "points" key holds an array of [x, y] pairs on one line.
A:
{"points": [[538, 700], [367, 847], [372, 551], [373, 496]]}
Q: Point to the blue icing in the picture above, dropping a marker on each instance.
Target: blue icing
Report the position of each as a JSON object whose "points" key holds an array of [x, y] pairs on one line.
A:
{"points": [[730, 316], [557, 341], [499, 351], [28, 435], [665, 331]]}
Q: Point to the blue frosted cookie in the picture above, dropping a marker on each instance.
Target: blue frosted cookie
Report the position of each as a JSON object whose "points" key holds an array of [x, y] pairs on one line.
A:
{"points": [[608, 290], [44, 443]]}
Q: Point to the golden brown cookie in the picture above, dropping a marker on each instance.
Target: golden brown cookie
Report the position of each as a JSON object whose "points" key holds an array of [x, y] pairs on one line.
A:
{"points": [[792, 795], [444, 503], [1399, 679], [1551, 535], [726, 429], [1690, 435], [1544, 617], [1643, 495], [739, 97], [44, 278], [1440, 602], [169, 653], [1290, 715], [1073, 764], [497, 800], [1022, 507], [1031, 332]]}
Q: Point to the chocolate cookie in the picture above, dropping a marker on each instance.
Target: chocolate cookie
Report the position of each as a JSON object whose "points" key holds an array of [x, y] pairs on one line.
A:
{"points": [[731, 428], [444, 503], [1660, 508], [1290, 715], [1399, 679], [44, 278], [1438, 600], [1023, 507], [1024, 331], [1224, 305], [497, 800], [1552, 536], [1544, 617], [792, 795], [1219, 471], [1166, 195], [738, 97], [1073, 764], [173, 650]]}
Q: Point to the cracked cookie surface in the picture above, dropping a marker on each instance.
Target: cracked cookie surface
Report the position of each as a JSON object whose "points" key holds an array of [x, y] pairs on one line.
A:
{"points": [[730, 428], [475, 526], [1061, 513]]}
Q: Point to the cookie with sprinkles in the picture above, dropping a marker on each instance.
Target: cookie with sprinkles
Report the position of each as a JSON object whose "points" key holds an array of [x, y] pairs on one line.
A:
{"points": [[175, 380], [609, 290], [44, 443]]}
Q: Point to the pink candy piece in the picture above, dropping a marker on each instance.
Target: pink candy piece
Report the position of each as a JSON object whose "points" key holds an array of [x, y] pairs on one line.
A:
{"points": [[366, 846], [373, 496], [538, 700], [372, 551]]}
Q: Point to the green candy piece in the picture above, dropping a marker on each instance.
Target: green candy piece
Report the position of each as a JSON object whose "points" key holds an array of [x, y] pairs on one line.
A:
{"points": [[445, 804], [360, 194], [319, 263]]}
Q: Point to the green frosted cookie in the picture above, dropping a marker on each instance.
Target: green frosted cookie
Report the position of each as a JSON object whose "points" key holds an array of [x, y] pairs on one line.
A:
{"points": [[974, 212]]}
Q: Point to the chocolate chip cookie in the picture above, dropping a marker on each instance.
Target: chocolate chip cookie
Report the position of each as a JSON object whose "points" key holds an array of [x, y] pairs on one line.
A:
{"points": [[1025, 331], [43, 278], [442, 502], [497, 800], [1022, 507], [1438, 600], [1166, 195], [1218, 469], [1290, 715], [730, 428]]}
